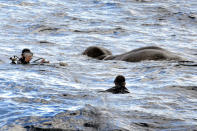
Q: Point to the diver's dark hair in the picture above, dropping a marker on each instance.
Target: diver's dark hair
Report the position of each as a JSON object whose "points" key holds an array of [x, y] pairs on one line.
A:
{"points": [[26, 50], [119, 79]]}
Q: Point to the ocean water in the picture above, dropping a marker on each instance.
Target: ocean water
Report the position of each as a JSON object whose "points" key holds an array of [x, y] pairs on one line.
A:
{"points": [[60, 30]]}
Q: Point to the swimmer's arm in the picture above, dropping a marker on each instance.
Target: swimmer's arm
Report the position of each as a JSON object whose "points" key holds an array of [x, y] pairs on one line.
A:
{"points": [[41, 62], [125, 90], [108, 90], [44, 61]]}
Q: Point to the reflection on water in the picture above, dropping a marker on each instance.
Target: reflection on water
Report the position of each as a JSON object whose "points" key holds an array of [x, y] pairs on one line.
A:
{"points": [[161, 95]]}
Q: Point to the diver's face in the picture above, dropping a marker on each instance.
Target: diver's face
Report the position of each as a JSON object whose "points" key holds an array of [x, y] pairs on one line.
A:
{"points": [[28, 57]]}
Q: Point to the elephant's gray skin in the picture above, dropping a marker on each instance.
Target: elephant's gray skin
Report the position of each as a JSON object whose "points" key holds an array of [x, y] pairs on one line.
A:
{"points": [[137, 55]]}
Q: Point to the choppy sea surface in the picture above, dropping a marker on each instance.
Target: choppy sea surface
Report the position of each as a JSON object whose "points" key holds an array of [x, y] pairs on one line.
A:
{"points": [[163, 96]]}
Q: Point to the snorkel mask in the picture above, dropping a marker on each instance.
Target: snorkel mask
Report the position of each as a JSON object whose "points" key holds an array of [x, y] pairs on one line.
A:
{"points": [[27, 54]]}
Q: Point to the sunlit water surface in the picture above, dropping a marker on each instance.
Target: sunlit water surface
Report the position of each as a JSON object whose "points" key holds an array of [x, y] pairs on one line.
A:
{"points": [[60, 30]]}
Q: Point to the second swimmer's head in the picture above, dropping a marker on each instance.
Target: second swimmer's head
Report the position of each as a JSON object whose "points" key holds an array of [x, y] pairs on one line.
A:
{"points": [[120, 80]]}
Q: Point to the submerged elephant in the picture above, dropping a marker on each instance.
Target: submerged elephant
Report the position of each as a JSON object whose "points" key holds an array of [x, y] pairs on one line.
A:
{"points": [[140, 54]]}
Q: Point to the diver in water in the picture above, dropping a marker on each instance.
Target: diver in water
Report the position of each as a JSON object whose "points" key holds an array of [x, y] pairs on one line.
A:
{"points": [[26, 57], [119, 87]]}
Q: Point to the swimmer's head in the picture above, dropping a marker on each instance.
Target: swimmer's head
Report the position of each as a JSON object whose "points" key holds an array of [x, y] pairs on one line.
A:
{"points": [[120, 80], [27, 54], [26, 50]]}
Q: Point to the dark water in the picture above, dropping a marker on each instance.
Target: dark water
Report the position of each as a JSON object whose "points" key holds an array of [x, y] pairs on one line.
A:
{"points": [[161, 96]]}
